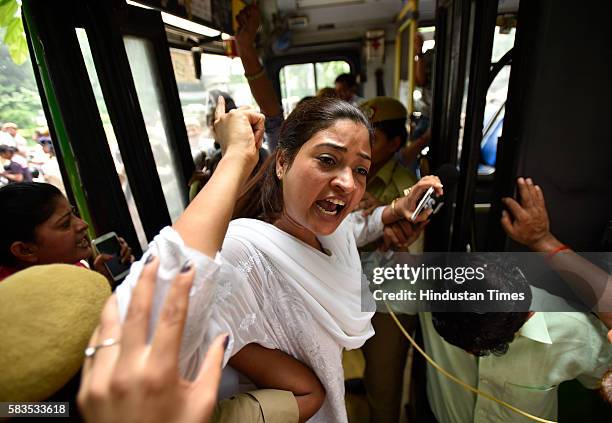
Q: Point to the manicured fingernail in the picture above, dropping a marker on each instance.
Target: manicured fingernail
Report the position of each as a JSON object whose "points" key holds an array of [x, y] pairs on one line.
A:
{"points": [[186, 267], [226, 342], [149, 259]]}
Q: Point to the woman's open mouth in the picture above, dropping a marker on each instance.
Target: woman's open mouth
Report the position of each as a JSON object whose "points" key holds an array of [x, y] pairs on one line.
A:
{"points": [[84, 243], [330, 207]]}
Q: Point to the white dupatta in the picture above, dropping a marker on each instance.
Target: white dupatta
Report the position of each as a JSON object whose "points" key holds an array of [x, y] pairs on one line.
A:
{"points": [[295, 299], [330, 286]]}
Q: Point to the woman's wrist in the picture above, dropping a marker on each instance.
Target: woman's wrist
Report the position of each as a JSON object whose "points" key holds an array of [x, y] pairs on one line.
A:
{"points": [[391, 214], [240, 158], [393, 210]]}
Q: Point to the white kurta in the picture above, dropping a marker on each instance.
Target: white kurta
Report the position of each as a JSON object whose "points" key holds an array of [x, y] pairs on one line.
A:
{"points": [[270, 288]]}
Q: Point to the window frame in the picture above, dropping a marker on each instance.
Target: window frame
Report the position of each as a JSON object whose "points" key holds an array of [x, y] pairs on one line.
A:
{"points": [[105, 24]]}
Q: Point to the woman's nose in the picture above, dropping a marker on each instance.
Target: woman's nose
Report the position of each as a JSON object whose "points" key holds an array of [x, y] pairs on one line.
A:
{"points": [[344, 181], [81, 224]]}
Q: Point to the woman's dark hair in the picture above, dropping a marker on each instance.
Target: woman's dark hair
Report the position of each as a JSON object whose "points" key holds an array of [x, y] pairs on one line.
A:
{"points": [[24, 206], [262, 197]]}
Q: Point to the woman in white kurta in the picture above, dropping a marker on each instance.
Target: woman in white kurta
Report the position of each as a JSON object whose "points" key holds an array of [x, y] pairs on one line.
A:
{"points": [[289, 280]]}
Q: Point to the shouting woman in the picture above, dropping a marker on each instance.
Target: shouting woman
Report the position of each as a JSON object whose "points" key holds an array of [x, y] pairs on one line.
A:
{"points": [[285, 279]]}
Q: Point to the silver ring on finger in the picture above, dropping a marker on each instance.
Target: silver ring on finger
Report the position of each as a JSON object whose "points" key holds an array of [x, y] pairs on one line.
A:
{"points": [[91, 351]]}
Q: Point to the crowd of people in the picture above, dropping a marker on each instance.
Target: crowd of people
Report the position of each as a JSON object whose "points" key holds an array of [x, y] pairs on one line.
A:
{"points": [[25, 161], [242, 311]]}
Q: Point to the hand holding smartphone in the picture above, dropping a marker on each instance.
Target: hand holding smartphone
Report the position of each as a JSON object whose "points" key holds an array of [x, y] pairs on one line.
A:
{"points": [[428, 201], [109, 244]]}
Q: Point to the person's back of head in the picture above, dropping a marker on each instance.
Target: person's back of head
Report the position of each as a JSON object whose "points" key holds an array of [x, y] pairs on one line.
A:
{"points": [[346, 86], [7, 152], [327, 92], [471, 325], [347, 79]]}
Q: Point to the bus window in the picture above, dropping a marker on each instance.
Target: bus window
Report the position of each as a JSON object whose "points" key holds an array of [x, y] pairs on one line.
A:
{"points": [[110, 135], [305, 79], [421, 95], [148, 86], [502, 42], [496, 99], [327, 72], [218, 74]]}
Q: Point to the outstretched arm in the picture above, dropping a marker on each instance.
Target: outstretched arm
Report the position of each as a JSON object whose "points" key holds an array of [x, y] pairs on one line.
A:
{"points": [[261, 86], [274, 369], [240, 134], [527, 223]]}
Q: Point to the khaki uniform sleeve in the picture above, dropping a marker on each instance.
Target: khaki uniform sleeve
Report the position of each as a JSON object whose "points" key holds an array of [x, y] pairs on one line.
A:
{"points": [[261, 406]]}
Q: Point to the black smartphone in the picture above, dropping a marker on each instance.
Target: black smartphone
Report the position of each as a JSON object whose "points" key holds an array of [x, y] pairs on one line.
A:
{"points": [[109, 244]]}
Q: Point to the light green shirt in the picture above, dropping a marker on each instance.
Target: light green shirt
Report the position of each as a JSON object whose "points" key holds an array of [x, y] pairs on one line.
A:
{"points": [[550, 348], [390, 181]]}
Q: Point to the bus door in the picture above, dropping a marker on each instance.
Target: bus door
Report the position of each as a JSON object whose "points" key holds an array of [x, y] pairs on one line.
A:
{"points": [[113, 109]]}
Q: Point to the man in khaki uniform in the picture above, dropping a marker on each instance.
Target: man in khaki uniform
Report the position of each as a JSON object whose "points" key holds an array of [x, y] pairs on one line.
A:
{"points": [[261, 406], [386, 352]]}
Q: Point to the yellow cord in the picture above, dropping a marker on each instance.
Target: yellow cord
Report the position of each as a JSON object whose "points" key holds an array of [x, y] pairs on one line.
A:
{"points": [[457, 380]]}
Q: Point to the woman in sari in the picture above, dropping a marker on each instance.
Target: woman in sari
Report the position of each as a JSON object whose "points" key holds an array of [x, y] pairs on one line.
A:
{"points": [[286, 284]]}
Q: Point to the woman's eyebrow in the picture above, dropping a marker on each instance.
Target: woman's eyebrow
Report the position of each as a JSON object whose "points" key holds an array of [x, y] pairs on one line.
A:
{"points": [[59, 219], [343, 149], [365, 156]]}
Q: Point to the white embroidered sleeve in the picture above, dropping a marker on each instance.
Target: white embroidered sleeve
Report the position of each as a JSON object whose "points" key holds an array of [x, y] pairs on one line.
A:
{"points": [[221, 299], [369, 228], [172, 252]]}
